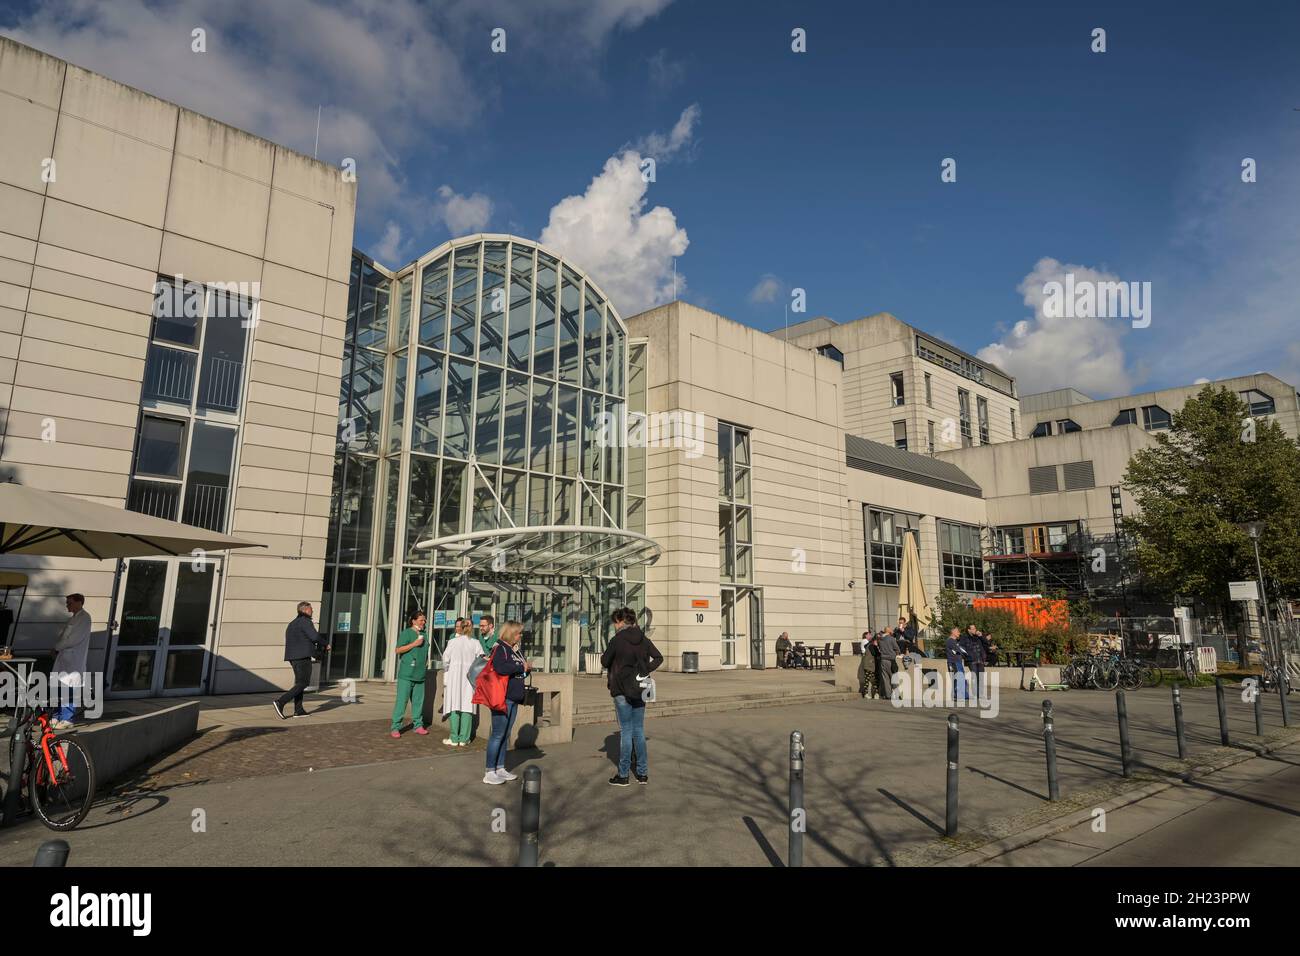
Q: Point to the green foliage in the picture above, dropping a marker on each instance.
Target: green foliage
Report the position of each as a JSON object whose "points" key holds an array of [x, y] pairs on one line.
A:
{"points": [[1055, 642], [1198, 482]]}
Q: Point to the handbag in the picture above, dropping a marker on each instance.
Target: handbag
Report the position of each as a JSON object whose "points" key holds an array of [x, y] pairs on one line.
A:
{"points": [[490, 689], [476, 668]]}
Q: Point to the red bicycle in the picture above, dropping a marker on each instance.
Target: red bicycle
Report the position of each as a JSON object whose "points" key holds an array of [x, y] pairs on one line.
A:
{"points": [[57, 773]]}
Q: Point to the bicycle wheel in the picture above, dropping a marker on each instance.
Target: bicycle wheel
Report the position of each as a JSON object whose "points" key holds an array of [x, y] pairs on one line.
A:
{"points": [[1130, 677], [63, 801], [1106, 677], [1152, 676], [1189, 668]]}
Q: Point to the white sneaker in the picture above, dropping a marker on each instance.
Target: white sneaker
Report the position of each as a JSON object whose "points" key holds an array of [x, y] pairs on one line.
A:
{"points": [[492, 777], [505, 774], [449, 742], [61, 724]]}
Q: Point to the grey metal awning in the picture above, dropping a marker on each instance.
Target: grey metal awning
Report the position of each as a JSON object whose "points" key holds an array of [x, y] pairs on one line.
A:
{"points": [[545, 550]]}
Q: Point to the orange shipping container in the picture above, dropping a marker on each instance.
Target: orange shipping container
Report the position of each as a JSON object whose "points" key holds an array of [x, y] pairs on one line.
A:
{"points": [[1032, 612]]}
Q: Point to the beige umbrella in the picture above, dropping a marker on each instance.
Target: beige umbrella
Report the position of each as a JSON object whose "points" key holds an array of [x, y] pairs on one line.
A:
{"points": [[49, 524], [911, 589]]}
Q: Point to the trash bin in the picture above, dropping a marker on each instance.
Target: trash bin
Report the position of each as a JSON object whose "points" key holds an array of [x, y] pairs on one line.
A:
{"points": [[690, 662]]}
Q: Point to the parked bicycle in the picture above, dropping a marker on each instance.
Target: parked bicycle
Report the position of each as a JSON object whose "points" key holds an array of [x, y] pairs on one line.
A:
{"points": [[57, 775]]}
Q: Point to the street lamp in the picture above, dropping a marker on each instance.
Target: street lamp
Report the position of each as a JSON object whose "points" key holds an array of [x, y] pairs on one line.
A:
{"points": [[1255, 530]]}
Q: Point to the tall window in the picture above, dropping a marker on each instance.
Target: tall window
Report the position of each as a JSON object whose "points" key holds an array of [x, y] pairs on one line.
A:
{"points": [[735, 516], [929, 436], [190, 402], [896, 389], [959, 556], [982, 408], [963, 407], [1014, 435], [900, 435], [885, 530], [929, 396]]}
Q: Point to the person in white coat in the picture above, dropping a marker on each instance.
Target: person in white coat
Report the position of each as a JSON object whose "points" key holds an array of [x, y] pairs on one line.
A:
{"points": [[460, 653], [73, 645]]}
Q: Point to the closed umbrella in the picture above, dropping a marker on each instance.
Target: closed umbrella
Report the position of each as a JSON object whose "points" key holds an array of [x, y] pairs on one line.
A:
{"points": [[911, 589], [46, 523]]}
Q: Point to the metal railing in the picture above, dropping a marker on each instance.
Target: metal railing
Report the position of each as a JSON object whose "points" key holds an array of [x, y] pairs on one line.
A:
{"points": [[169, 375], [222, 379], [205, 506]]}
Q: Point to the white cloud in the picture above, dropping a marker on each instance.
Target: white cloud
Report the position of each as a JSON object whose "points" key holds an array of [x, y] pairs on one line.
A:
{"points": [[464, 215], [665, 74], [607, 231], [767, 289], [1043, 352], [389, 248], [664, 147]]}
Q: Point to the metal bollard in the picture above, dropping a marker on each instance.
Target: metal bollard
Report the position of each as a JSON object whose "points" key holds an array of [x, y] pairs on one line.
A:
{"points": [[950, 821], [52, 853], [1179, 730], [1125, 748], [1223, 712], [798, 815], [1259, 711], [14, 788], [1049, 744], [1284, 687], [530, 817]]}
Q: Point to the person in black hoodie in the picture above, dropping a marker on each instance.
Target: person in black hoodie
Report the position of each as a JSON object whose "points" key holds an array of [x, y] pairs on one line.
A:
{"points": [[629, 657]]}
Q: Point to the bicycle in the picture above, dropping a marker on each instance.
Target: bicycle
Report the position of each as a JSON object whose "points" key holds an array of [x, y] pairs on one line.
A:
{"points": [[57, 775]]}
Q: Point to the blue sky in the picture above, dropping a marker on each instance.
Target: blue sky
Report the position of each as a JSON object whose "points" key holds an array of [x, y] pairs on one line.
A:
{"points": [[817, 170]]}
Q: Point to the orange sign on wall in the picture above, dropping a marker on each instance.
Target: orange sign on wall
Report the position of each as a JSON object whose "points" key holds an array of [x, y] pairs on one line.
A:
{"points": [[699, 603]]}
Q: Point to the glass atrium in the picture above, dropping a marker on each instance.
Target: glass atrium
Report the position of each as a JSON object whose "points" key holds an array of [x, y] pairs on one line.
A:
{"points": [[480, 465]]}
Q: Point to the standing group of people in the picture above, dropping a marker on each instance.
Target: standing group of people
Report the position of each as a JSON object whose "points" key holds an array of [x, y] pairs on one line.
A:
{"points": [[968, 653], [881, 655]]}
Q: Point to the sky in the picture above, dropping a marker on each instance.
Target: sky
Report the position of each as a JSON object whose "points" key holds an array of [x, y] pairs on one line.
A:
{"points": [[776, 170]]}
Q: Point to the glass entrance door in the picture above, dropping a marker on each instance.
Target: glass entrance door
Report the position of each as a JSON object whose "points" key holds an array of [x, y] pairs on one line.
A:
{"points": [[727, 658], [757, 646], [166, 617]]}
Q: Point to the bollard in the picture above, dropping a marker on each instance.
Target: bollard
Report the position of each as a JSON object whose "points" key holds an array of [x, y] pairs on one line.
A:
{"points": [[14, 789], [52, 853], [530, 817], [1223, 711], [950, 821], [1179, 730], [1259, 711], [797, 814], [1284, 688], [1125, 748], [1049, 743]]}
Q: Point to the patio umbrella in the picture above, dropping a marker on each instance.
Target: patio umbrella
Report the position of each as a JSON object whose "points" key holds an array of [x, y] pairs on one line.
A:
{"points": [[911, 589], [52, 525]]}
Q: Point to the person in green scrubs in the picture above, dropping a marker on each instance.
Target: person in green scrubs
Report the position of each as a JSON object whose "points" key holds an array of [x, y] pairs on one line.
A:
{"points": [[487, 633], [412, 666]]}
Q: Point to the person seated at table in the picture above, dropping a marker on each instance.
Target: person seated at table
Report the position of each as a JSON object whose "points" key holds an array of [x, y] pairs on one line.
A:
{"points": [[783, 650], [799, 655]]}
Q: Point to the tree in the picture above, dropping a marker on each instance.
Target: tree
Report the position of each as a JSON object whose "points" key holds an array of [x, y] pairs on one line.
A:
{"points": [[1213, 469]]}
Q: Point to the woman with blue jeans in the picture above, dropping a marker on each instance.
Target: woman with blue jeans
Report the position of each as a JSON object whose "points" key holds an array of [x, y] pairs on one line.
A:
{"points": [[629, 657], [506, 661]]}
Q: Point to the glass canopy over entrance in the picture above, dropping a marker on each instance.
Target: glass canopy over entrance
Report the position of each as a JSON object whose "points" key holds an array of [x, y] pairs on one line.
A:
{"points": [[476, 469]]}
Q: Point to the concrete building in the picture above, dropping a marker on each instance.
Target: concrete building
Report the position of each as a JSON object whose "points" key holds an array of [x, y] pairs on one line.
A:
{"points": [[1066, 410], [908, 389], [219, 411]]}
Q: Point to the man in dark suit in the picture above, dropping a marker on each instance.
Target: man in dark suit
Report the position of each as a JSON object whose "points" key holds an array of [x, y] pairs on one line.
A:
{"points": [[302, 644]]}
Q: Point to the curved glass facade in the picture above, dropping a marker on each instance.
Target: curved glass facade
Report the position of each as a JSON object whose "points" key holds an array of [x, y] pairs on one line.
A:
{"points": [[474, 388]]}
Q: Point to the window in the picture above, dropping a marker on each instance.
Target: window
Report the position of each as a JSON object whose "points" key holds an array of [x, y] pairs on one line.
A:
{"points": [[929, 436], [963, 405], [900, 435], [1126, 416], [1155, 418], [1041, 430], [885, 530], [982, 407], [831, 352], [1014, 435], [735, 518], [1066, 425], [960, 560], [1011, 540], [896, 389], [929, 396], [1258, 402]]}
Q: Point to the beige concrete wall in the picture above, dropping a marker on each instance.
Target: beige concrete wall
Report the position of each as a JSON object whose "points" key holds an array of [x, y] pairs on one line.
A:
{"points": [[707, 365], [141, 187], [1100, 413], [879, 345]]}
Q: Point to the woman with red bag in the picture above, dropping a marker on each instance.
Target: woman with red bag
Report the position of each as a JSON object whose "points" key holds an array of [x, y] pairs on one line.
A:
{"points": [[500, 686]]}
